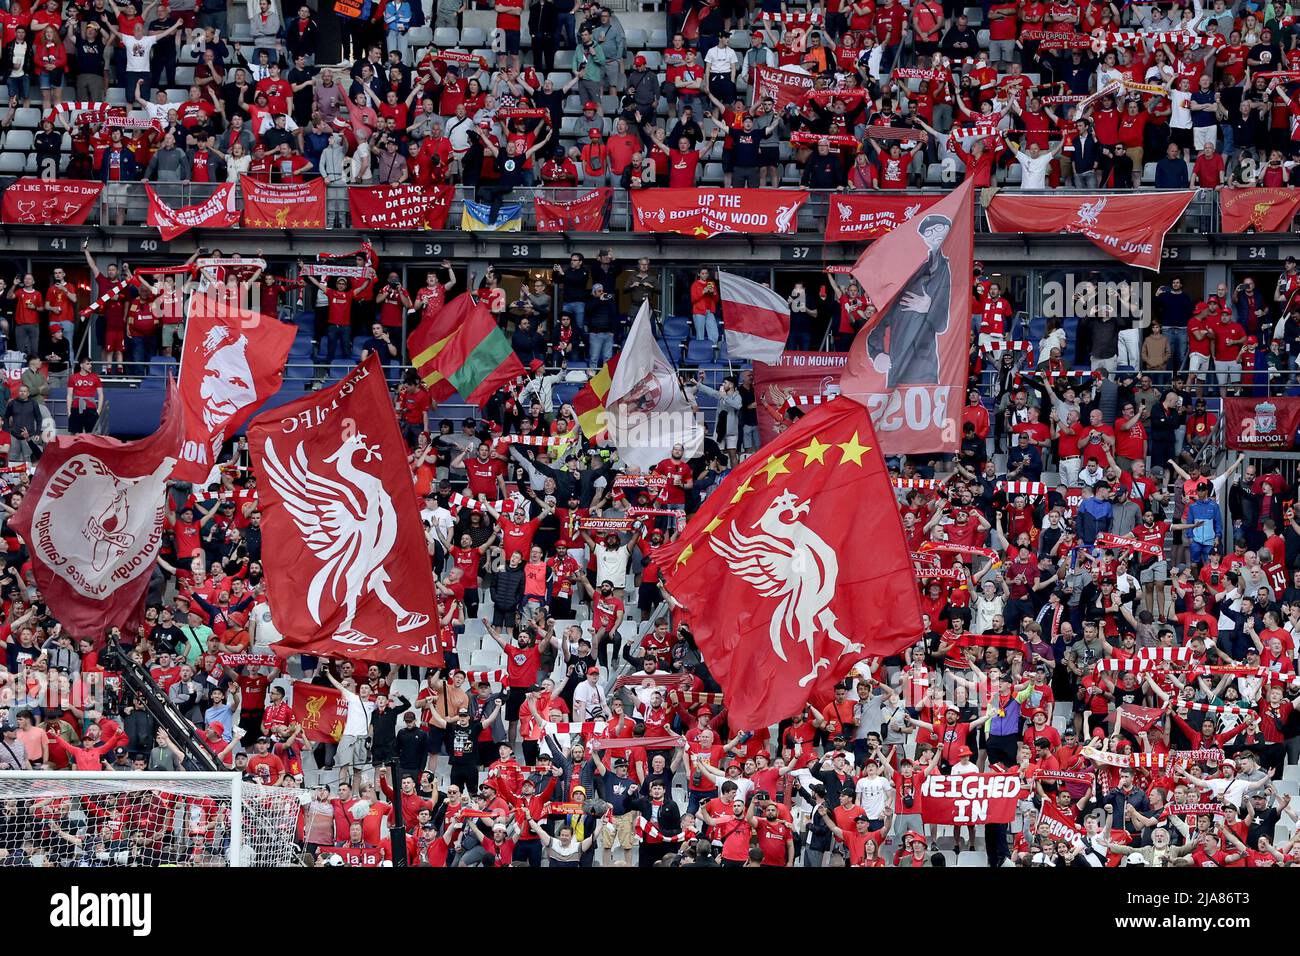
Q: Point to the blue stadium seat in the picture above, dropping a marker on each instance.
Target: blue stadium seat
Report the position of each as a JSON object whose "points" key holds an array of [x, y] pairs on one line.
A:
{"points": [[565, 392], [677, 327], [699, 351]]}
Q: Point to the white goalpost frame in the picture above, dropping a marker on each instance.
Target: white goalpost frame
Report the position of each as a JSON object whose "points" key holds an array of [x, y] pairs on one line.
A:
{"points": [[233, 781]]}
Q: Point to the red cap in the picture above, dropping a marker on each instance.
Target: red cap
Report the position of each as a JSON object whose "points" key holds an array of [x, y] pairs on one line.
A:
{"points": [[589, 105], [639, 60], [593, 134], [536, 365]]}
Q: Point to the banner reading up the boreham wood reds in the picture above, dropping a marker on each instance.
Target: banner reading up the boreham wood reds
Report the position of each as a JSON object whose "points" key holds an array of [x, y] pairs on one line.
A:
{"points": [[93, 568], [907, 364], [351, 576], [1129, 227], [702, 213]]}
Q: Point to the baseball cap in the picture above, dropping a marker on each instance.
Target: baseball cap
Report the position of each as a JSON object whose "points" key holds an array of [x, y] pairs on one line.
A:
{"points": [[593, 134], [620, 761], [589, 105], [592, 670], [462, 712], [638, 60], [536, 365]]}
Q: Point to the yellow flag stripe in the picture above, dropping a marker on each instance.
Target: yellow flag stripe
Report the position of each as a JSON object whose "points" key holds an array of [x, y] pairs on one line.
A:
{"points": [[432, 351]]}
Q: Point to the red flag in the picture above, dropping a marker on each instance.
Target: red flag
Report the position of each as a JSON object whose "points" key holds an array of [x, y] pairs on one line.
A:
{"points": [[953, 800], [1261, 424], [908, 363], [584, 214], [1138, 720], [400, 207], [783, 87], [49, 202], [853, 218], [320, 711], [775, 555], [1263, 210], [1059, 825], [757, 319], [216, 212], [351, 573], [1131, 227], [93, 522], [703, 213], [232, 362], [283, 205]]}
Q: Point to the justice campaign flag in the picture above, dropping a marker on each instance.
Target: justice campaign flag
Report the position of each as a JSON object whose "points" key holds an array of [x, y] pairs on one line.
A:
{"points": [[216, 212], [1129, 226], [351, 576], [93, 519], [771, 569], [907, 364], [233, 361]]}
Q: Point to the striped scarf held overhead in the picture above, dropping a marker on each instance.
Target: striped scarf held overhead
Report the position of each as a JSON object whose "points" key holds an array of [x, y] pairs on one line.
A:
{"points": [[1182, 655], [585, 729], [457, 500], [492, 677], [1031, 488], [1217, 708]]}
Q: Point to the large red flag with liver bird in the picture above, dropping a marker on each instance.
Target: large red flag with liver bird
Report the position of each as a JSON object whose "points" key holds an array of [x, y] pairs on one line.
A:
{"points": [[800, 560], [350, 575]]}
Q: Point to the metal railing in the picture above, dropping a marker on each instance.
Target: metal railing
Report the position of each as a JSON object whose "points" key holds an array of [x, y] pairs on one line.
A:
{"points": [[127, 204]]}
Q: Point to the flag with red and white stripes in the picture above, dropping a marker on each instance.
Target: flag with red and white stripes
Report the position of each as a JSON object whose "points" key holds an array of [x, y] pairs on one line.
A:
{"points": [[757, 320]]}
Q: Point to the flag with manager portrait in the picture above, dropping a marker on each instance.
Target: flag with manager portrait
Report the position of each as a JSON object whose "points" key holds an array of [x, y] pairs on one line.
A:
{"points": [[907, 364]]}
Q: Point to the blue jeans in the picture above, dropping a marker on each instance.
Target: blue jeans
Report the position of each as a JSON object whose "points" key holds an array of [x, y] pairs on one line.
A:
{"points": [[1177, 347], [697, 797], [139, 350], [565, 29], [579, 312], [600, 348], [706, 326], [336, 338]]}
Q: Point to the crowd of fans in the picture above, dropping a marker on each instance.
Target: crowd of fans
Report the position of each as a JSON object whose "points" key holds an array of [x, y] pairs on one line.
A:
{"points": [[1114, 96], [1105, 435]]}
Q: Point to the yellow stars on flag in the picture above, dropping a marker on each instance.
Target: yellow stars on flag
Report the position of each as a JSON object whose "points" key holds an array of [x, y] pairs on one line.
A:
{"points": [[712, 526], [685, 555], [852, 450], [775, 466], [744, 489], [814, 451]]}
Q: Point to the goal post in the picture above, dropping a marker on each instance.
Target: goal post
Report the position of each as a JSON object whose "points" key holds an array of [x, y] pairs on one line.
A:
{"points": [[128, 818]]}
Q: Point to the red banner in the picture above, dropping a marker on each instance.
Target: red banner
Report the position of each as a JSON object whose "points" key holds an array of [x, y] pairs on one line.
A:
{"points": [[49, 202], [704, 213], [400, 207], [797, 374], [1261, 424], [782, 86], [1131, 227], [1263, 210], [283, 205], [233, 361], [907, 363], [1059, 826], [584, 214], [217, 212], [351, 573], [93, 521], [853, 218], [320, 711], [969, 798]]}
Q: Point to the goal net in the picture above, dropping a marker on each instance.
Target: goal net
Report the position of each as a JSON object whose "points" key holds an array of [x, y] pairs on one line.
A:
{"points": [[92, 818]]}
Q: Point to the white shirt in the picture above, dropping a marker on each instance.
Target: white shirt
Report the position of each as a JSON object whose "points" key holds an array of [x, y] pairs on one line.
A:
{"points": [[1180, 117], [358, 722], [721, 59], [872, 793], [589, 703], [137, 53], [1033, 171]]}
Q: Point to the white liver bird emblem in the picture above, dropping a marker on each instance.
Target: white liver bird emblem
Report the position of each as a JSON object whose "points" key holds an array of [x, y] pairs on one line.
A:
{"points": [[790, 562], [1089, 211], [350, 524]]}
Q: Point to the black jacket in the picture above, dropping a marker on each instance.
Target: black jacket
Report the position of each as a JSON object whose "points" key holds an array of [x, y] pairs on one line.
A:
{"points": [[670, 815], [382, 729]]}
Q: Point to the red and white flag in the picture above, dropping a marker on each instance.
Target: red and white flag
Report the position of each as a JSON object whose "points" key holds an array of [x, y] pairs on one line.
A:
{"points": [[93, 521], [757, 320], [233, 361], [218, 211], [908, 362], [782, 603], [351, 574]]}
